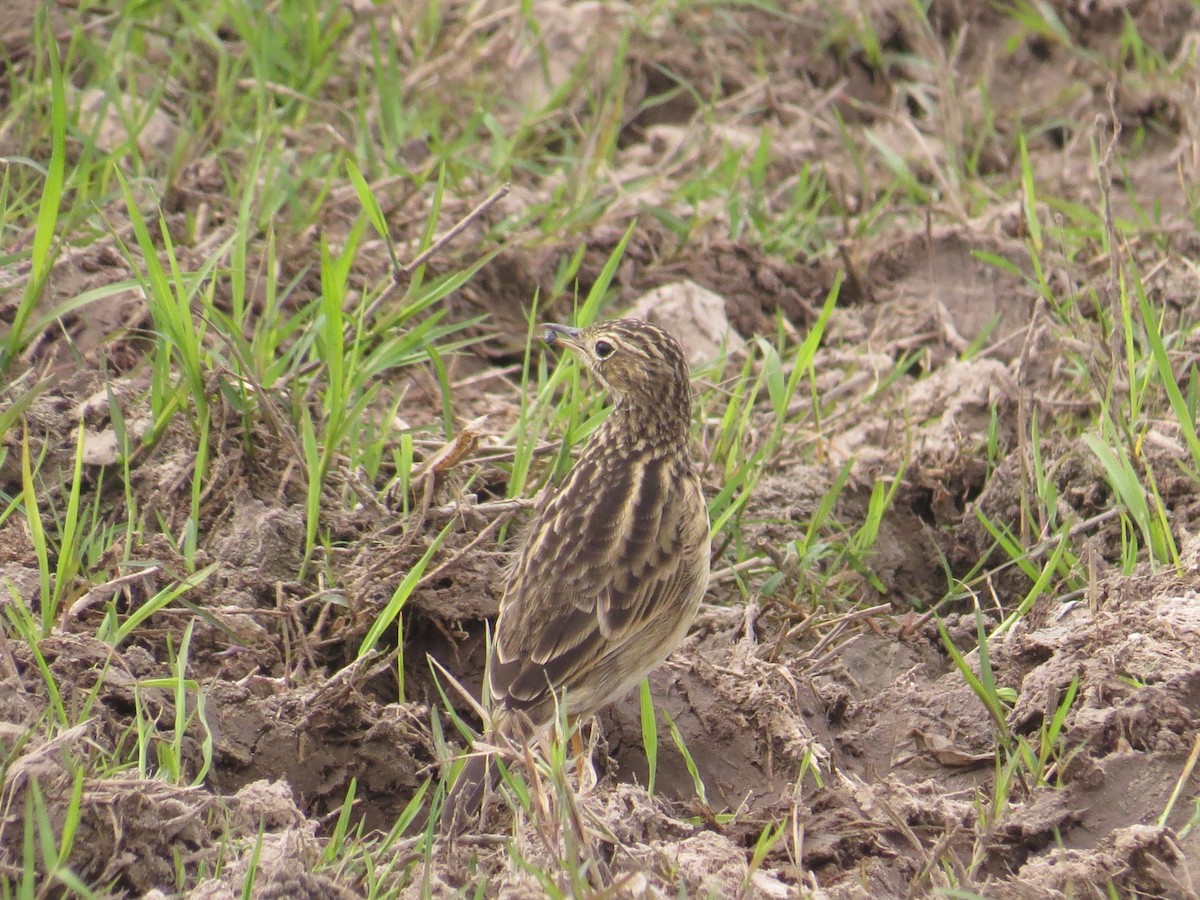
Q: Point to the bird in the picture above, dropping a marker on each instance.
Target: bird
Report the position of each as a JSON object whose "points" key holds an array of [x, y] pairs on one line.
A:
{"points": [[616, 560]]}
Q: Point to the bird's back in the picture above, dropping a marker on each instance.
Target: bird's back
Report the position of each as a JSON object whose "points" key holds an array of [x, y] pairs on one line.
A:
{"points": [[606, 585]]}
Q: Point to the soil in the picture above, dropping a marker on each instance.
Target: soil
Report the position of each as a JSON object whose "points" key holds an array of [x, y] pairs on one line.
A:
{"points": [[824, 700]]}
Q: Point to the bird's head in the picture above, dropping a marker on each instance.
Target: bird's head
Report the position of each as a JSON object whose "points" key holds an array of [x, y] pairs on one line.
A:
{"points": [[639, 363]]}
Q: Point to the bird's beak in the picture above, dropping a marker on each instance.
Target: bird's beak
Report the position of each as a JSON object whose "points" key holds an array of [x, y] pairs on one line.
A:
{"points": [[564, 333]]}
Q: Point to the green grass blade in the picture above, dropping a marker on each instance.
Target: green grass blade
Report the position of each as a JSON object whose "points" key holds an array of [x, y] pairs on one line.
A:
{"points": [[41, 255], [649, 734], [402, 593]]}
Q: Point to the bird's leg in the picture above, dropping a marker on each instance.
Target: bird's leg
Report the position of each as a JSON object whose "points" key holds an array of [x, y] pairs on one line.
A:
{"points": [[585, 769], [577, 749]]}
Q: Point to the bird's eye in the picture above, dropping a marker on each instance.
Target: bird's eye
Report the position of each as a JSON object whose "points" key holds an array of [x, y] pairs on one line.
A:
{"points": [[604, 349]]}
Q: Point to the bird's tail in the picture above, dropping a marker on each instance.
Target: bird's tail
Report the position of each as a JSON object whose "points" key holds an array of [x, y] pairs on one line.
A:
{"points": [[465, 797]]}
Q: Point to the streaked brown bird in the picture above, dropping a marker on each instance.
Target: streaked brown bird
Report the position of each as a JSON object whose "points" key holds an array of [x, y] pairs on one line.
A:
{"points": [[614, 565]]}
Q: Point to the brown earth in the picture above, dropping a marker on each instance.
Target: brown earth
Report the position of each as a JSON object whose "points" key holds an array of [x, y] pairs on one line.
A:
{"points": [[842, 716]]}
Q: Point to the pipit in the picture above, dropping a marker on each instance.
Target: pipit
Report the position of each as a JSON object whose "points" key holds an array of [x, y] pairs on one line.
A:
{"points": [[614, 565]]}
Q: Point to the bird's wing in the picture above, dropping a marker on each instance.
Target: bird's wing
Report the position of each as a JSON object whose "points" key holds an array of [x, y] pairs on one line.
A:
{"points": [[613, 559]]}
